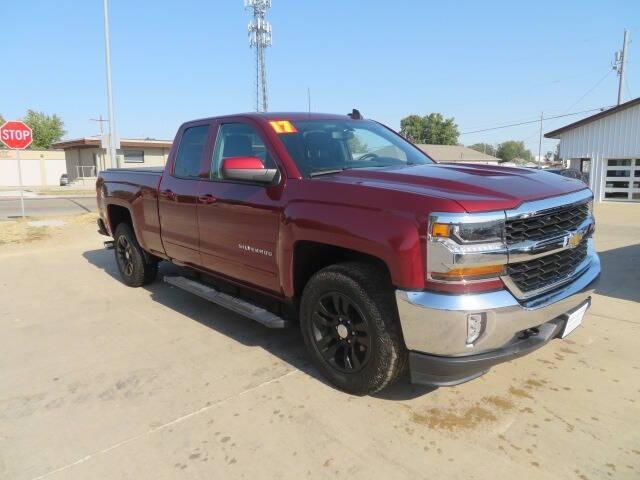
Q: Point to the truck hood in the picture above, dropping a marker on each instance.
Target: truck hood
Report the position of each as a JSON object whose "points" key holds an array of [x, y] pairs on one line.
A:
{"points": [[475, 187]]}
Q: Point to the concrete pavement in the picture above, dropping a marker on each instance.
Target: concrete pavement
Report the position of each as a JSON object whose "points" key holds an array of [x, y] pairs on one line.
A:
{"points": [[47, 207], [100, 381]]}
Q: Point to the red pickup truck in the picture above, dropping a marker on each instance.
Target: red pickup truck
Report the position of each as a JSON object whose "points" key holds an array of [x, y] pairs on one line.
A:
{"points": [[383, 256]]}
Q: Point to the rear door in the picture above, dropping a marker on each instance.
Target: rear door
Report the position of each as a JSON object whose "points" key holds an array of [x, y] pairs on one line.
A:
{"points": [[238, 221], [178, 194]]}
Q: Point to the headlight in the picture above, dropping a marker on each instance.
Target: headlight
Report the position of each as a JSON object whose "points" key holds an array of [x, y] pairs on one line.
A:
{"points": [[481, 232], [466, 252]]}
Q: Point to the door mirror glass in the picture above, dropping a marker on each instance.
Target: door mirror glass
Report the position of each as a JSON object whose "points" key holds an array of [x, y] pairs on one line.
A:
{"points": [[247, 169]]}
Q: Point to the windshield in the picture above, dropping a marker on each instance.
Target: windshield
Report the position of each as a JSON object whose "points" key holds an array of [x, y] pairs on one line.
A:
{"points": [[325, 146]]}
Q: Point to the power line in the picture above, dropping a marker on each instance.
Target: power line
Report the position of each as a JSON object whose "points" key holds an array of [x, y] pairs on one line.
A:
{"points": [[477, 98], [534, 121], [596, 85], [590, 90], [576, 102]]}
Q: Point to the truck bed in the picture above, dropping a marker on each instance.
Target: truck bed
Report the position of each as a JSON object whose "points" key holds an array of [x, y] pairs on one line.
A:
{"points": [[134, 191], [153, 170]]}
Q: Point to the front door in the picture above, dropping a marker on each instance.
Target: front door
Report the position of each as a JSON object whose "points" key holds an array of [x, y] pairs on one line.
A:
{"points": [[178, 195], [239, 222]]}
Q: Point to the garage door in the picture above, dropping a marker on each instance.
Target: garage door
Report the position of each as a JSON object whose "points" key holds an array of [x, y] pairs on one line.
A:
{"points": [[622, 179]]}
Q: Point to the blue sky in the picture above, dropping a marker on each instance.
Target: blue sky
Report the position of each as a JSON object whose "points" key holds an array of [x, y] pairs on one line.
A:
{"points": [[485, 63]]}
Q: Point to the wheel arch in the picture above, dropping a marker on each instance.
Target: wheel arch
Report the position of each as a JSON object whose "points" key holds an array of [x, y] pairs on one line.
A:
{"points": [[310, 257], [117, 214]]}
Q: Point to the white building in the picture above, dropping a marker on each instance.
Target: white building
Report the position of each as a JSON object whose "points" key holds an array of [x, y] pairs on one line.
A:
{"points": [[607, 147], [39, 167], [85, 157]]}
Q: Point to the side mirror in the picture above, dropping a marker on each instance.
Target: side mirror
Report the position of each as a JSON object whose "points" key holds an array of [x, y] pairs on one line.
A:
{"points": [[247, 169]]}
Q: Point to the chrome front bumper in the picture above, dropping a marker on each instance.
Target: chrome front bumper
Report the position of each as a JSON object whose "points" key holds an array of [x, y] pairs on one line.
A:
{"points": [[436, 323]]}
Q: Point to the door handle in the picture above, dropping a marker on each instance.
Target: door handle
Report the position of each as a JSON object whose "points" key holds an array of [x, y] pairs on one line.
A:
{"points": [[207, 199], [169, 194]]}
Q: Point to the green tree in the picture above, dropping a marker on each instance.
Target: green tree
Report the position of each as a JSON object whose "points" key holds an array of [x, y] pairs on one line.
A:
{"points": [[357, 146], [47, 129], [413, 128], [440, 130], [510, 150], [432, 129], [484, 148], [2, 120]]}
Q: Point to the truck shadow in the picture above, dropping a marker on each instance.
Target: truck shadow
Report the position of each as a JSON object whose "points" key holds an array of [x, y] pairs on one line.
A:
{"points": [[286, 344], [620, 277]]}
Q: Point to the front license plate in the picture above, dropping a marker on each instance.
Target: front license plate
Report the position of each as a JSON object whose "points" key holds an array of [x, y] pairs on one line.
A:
{"points": [[574, 320]]}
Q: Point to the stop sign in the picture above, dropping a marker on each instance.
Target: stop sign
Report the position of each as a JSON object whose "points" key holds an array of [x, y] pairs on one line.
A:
{"points": [[16, 135]]}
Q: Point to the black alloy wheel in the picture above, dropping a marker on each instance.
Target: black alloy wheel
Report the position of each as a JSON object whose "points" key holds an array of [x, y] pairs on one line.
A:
{"points": [[125, 255], [341, 333], [350, 326], [137, 268]]}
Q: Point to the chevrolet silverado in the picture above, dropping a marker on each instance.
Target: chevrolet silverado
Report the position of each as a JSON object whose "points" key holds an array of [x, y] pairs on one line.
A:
{"points": [[385, 258]]}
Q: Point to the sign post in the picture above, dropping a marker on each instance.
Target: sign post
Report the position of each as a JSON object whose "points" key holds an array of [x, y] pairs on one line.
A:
{"points": [[20, 183], [17, 136]]}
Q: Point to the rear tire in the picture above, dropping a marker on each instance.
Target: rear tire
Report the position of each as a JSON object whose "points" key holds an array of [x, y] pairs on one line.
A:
{"points": [[350, 326], [135, 266]]}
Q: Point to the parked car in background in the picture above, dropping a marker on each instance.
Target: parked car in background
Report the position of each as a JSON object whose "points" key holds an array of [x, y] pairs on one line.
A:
{"points": [[570, 173], [64, 180], [384, 257]]}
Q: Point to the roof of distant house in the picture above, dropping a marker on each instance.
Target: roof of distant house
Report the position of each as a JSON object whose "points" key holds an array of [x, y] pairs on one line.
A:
{"points": [[455, 153], [124, 143], [593, 118]]}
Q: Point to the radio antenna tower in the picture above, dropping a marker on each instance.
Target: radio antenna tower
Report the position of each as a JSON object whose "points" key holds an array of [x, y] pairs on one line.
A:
{"points": [[260, 38]]}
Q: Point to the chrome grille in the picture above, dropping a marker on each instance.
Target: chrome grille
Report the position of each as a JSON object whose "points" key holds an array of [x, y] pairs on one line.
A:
{"points": [[543, 272], [546, 224]]}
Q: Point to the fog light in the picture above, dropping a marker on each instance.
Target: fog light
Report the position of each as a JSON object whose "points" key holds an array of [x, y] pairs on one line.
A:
{"points": [[475, 326]]}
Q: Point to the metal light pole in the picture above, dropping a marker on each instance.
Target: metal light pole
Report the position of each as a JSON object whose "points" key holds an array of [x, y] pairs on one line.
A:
{"points": [[540, 142], [107, 52]]}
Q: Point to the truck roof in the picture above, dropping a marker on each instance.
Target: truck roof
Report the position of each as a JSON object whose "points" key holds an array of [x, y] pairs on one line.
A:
{"points": [[283, 116]]}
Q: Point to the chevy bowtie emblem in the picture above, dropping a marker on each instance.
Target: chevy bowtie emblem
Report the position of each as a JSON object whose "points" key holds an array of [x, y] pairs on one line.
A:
{"points": [[574, 239]]}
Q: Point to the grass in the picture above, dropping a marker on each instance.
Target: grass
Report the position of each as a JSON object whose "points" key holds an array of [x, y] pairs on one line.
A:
{"points": [[82, 218], [67, 193], [20, 232]]}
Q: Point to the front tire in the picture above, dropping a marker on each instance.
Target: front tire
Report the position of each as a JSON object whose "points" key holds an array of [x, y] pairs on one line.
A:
{"points": [[350, 327], [136, 269]]}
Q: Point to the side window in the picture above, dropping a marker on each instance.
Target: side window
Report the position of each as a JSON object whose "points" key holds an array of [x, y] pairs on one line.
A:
{"points": [[238, 140], [187, 164]]}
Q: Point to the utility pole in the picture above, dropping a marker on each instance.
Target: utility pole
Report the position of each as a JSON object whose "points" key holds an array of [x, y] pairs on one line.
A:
{"points": [[100, 120], [540, 142], [107, 52], [618, 65]]}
